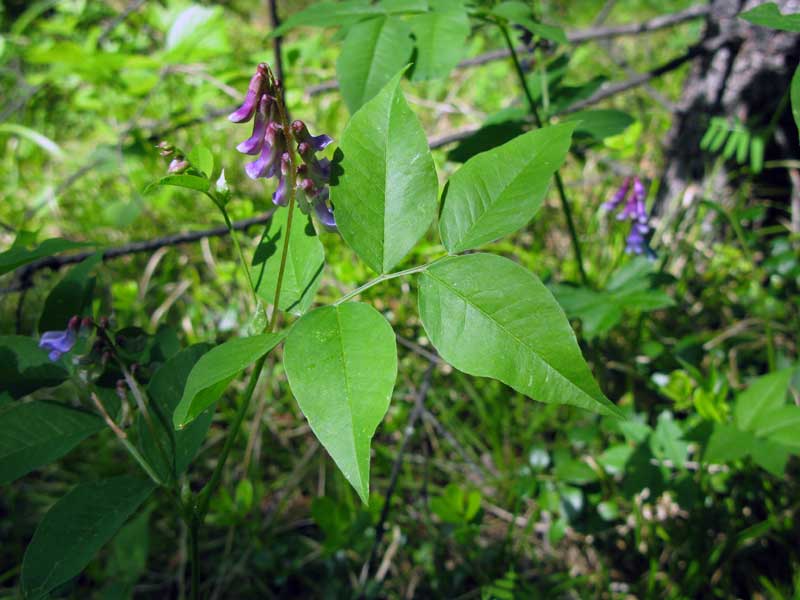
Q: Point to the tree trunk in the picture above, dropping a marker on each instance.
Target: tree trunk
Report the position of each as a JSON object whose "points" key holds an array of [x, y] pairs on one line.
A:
{"points": [[746, 78]]}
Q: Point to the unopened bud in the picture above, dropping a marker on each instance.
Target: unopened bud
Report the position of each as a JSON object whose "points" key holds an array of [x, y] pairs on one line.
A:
{"points": [[74, 322], [177, 166], [222, 184]]}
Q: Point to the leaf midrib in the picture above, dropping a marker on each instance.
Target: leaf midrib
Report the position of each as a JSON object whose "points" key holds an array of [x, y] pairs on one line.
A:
{"points": [[493, 201], [514, 337], [348, 395]]}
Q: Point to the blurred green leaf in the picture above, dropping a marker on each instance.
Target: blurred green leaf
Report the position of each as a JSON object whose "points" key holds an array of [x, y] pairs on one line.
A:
{"points": [[34, 434], [769, 15], [75, 529]]}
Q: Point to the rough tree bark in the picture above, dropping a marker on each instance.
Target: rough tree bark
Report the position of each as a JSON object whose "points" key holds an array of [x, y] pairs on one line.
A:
{"points": [[745, 78]]}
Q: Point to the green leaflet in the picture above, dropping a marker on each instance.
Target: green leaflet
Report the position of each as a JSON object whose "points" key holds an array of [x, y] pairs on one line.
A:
{"points": [[490, 317]]}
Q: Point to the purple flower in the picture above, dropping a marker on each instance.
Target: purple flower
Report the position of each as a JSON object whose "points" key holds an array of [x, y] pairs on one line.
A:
{"points": [[317, 142], [177, 166], [635, 243], [60, 342], [634, 211], [325, 214], [618, 196], [281, 195], [269, 163], [270, 142], [253, 144], [254, 91]]}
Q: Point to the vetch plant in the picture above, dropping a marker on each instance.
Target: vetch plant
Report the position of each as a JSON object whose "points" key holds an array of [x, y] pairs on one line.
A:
{"points": [[485, 314]]}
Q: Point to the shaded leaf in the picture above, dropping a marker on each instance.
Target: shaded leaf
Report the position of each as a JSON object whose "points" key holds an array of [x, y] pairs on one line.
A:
{"points": [[70, 296], [216, 369], [373, 51], [25, 368], [165, 391], [75, 529], [33, 434], [304, 263]]}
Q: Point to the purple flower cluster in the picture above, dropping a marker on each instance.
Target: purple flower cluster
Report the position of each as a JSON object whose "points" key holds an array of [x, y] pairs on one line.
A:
{"points": [[634, 211], [271, 143], [60, 342]]}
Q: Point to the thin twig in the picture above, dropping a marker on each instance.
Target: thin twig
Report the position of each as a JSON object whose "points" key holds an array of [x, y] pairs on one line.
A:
{"points": [[24, 279]]}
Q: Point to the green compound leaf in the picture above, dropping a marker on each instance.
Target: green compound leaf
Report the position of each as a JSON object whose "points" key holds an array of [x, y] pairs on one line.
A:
{"points": [[385, 196], [373, 51], [304, 263], [341, 362], [490, 317], [497, 192], [75, 529], [216, 369], [33, 434]]}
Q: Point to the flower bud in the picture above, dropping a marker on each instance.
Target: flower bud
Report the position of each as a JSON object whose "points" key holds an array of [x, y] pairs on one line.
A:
{"points": [[177, 166]]}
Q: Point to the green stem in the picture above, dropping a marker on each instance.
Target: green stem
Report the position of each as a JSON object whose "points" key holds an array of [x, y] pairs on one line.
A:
{"points": [[204, 499], [235, 238], [562, 194], [123, 438], [381, 278], [194, 528]]}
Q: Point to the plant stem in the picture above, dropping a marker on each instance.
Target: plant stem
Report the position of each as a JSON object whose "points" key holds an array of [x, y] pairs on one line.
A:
{"points": [[381, 278], [204, 499], [194, 527], [562, 194]]}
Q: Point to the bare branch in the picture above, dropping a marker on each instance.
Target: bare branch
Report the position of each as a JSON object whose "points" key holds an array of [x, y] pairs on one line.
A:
{"points": [[25, 277]]}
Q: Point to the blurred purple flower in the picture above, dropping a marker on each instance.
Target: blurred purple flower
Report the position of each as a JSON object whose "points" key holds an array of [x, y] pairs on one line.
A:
{"points": [[60, 342], [618, 196], [635, 211]]}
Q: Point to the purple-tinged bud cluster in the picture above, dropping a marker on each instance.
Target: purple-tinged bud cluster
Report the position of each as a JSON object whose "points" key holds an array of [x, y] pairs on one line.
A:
{"points": [[270, 142], [178, 163], [634, 211], [60, 342]]}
